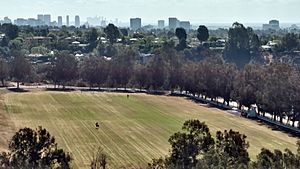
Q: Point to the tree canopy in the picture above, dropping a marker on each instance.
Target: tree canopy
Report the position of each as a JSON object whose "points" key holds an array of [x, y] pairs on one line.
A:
{"points": [[34, 149], [202, 33], [112, 32]]}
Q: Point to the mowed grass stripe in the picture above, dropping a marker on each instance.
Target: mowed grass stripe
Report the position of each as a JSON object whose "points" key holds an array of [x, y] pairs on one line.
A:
{"points": [[132, 131]]}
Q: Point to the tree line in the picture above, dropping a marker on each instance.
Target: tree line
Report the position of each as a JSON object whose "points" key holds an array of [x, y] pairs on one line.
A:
{"points": [[274, 88]]}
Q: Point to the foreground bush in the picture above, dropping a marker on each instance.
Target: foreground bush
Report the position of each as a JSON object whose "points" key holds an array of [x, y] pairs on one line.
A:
{"points": [[34, 149], [195, 148]]}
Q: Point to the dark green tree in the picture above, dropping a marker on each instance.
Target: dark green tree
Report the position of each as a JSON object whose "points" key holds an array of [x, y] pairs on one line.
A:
{"points": [[277, 159], [181, 35], [187, 146], [94, 70], [64, 69], [195, 148], [122, 67], [91, 37], [289, 42], [124, 32], [276, 93], [10, 30], [247, 85], [20, 68], [233, 146], [140, 78], [158, 71], [226, 77], [35, 149], [202, 33], [112, 33], [4, 71], [237, 49]]}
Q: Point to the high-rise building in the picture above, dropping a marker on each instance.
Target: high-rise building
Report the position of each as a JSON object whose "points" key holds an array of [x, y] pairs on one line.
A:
{"points": [[20, 21], [40, 17], [47, 19], [32, 22], [94, 21], [186, 25], [273, 25], [161, 24], [135, 23], [6, 20], [173, 23], [59, 21], [77, 21], [67, 20]]}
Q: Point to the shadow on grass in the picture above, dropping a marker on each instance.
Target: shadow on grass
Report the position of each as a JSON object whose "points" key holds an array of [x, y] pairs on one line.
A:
{"points": [[18, 90], [156, 92], [60, 89], [278, 128]]}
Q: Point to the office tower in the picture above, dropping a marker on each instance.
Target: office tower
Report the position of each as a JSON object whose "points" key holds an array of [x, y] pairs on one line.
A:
{"points": [[7, 20], [40, 17], [77, 21], [135, 23], [59, 21], [186, 25], [32, 22], [67, 20], [47, 19], [20, 21], [173, 23], [94, 21], [273, 25], [161, 24]]}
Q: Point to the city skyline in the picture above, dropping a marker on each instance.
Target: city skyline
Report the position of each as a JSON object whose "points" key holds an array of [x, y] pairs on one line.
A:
{"points": [[196, 11]]}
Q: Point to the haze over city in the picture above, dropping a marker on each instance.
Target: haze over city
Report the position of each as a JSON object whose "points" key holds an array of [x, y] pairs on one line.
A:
{"points": [[196, 11]]}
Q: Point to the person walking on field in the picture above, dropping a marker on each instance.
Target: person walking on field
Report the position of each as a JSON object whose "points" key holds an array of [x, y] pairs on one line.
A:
{"points": [[97, 125]]}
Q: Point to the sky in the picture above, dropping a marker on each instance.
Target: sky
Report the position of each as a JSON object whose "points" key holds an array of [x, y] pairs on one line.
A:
{"points": [[196, 11]]}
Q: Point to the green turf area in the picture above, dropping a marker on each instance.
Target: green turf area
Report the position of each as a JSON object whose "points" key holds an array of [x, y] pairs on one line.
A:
{"points": [[132, 131]]}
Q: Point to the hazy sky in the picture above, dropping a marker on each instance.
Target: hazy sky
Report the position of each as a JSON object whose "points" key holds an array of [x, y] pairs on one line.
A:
{"points": [[197, 11]]}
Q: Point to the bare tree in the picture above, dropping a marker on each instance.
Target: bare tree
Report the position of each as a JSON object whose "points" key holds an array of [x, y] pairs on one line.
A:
{"points": [[100, 160]]}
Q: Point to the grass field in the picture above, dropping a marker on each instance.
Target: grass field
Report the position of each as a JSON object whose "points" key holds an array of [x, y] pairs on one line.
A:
{"points": [[132, 131]]}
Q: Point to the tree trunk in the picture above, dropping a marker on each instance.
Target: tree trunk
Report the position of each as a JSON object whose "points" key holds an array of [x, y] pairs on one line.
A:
{"points": [[18, 85], [240, 106], [2, 80], [281, 118], [293, 122]]}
